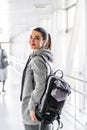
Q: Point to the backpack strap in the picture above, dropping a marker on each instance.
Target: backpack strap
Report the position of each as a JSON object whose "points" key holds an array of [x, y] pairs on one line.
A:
{"points": [[60, 124], [60, 72], [51, 68], [50, 71]]}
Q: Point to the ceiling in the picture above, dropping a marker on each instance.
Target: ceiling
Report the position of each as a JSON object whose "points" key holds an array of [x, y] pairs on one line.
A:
{"points": [[18, 15]]}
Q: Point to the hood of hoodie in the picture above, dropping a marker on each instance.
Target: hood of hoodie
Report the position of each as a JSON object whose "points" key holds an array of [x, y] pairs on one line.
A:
{"points": [[47, 54]]}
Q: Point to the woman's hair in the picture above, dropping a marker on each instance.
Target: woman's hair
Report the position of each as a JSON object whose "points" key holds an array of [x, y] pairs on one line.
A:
{"points": [[46, 36], [43, 32], [49, 43]]}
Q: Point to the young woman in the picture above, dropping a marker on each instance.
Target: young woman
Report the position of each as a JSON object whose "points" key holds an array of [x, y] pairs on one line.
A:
{"points": [[34, 77]]}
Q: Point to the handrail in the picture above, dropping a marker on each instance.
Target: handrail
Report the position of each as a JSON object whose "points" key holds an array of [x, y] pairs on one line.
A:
{"points": [[75, 78], [17, 59], [75, 103], [78, 92]]}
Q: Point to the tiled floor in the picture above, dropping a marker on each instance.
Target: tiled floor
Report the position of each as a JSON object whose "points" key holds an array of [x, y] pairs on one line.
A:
{"points": [[10, 107]]}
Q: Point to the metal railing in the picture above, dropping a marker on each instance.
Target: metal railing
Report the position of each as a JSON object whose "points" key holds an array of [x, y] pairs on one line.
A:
{"points": [[78, 96]]}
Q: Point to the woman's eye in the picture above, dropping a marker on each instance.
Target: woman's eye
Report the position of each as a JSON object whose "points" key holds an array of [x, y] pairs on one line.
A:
{"points": [[30, 37], [37, 38]]}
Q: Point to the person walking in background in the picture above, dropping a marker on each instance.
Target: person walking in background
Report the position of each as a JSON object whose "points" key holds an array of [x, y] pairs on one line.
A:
{"points": [[3, 67], [34, 78]]}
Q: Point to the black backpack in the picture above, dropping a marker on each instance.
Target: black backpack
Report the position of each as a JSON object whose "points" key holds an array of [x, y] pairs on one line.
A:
{"points": [[52, 101]]}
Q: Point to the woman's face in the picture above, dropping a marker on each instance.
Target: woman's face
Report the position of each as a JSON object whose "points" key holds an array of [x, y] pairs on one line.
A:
{"points": [[36, 40]]}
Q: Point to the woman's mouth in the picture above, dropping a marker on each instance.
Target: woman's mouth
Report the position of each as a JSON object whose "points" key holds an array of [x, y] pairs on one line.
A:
{"points": [[33, 44]]}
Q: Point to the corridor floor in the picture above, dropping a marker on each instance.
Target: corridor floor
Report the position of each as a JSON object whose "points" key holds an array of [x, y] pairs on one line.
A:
{"points": [[10, 105]]}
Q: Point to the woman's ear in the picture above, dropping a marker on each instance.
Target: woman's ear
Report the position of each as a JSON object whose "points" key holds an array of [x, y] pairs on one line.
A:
{"points": [[44, 42]]}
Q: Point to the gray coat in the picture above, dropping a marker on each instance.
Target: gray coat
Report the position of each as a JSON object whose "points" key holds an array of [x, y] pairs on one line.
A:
{"points": [[34, 83]]}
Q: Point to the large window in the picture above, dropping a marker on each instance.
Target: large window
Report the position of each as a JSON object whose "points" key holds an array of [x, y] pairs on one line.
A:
{"points": [[70, 16]]}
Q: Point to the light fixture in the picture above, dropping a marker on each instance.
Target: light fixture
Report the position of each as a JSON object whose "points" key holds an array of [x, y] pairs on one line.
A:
{"points": [[40, 5]]}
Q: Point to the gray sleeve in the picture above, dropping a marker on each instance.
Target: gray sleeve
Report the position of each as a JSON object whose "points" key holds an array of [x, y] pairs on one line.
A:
{"points": [[40, 73]]}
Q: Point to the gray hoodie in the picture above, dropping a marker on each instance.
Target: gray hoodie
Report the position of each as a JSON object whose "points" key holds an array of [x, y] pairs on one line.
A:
{"points": [[34, 82]]}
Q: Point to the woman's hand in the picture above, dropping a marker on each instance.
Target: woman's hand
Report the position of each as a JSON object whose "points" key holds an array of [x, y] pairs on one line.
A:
{"points": [[32, 114]]}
